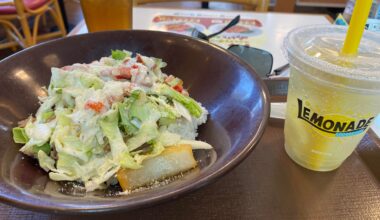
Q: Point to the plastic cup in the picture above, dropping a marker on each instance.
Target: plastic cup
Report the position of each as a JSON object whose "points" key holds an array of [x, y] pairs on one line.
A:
{"points": [[332, 99], [101, 15]]}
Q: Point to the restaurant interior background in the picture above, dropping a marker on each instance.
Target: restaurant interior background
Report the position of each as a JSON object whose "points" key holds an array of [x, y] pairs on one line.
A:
{"points": [[268, 184], [74, 15]]}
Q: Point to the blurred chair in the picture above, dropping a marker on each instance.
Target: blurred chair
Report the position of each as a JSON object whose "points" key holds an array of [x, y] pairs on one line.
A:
{"points": [[19, 11], [285, 5], [258, 5]]}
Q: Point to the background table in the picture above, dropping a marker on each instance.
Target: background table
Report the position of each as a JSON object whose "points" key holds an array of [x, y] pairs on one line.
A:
{"points": [[275, 26], [268, 185]]}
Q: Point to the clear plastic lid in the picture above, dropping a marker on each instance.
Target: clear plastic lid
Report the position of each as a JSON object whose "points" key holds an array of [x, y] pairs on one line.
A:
{"points": [[319, 46]]}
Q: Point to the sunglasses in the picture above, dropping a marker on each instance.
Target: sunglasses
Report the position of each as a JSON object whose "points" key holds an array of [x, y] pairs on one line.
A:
{"points": [[260, 60]]}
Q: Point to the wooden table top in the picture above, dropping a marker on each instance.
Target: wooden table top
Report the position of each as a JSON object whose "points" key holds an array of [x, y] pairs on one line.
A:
{"points": [[269, 185]]}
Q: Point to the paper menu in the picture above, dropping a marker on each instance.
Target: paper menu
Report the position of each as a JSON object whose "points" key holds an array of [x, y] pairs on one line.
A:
{"points": [[245, 32]]}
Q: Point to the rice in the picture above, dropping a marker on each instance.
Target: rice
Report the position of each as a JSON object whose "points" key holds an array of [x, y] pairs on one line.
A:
{"points": [[188, 129]]}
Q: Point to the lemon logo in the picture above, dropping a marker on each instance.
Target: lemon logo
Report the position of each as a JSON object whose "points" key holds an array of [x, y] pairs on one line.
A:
{"points": [[332, 125]]}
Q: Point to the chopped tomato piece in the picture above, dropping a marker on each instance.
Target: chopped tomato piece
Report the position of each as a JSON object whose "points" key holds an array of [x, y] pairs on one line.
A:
{"points": [[178, 88], [95, 106], [122, 77], [135, 66], [125, 73]]}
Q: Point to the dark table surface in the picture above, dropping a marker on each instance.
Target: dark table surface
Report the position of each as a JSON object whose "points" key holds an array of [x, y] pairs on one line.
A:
{"points": [[268, 185]]}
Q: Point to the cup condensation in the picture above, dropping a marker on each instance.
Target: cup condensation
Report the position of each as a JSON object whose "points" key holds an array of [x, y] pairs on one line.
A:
{"points": [[332, 99]]}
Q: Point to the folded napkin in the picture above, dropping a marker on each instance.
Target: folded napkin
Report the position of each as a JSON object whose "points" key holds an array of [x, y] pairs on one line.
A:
{"points": [[277, 110]]}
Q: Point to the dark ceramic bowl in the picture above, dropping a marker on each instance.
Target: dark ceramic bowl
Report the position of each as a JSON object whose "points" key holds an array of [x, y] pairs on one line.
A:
{"points": [[234, 95]]}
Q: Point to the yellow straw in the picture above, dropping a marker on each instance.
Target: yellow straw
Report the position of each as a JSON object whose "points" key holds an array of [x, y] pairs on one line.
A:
{"points": [[356, 28]]}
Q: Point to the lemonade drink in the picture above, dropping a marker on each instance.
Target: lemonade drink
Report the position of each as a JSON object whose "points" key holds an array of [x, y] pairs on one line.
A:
{"points": [[101, 15], [332, 99]]}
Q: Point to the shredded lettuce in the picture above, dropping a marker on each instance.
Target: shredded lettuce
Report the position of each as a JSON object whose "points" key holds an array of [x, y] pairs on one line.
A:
{"points": [[167, 138], [156, 149], [129, 127], [46, 162], [127, 161], [182, 110], [118, 54], [46, 107], [188, 102], [143, 109], [45, 148], [110, 128], [167, 111], [136, 115], [196, 144], [91, 81], [38, 134], [46, 116], [69, 165], [147, 132], [19, 135]]}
